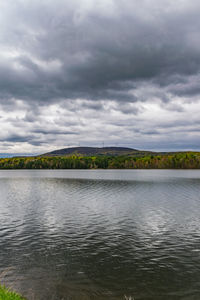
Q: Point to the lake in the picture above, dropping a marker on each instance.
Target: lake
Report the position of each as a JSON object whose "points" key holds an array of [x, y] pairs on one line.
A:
{"points": [[101, 234]]}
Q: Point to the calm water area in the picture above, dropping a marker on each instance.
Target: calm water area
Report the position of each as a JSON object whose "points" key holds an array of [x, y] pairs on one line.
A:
{"points": [[101, 234]]}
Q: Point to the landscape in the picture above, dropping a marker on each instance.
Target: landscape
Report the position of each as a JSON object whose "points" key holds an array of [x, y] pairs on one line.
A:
{"points": [[104, 158], [100, 150]]}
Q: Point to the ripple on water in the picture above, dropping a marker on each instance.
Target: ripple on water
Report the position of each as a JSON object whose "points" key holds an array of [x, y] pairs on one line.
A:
{"points": [[101, 234]]}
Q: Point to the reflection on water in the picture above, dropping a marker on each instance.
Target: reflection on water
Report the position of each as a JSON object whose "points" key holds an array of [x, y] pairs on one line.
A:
{"points": [[101, 234]]}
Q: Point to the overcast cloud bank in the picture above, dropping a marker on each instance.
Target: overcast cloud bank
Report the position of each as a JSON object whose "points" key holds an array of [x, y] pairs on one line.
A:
{"points": [[83, 72]]}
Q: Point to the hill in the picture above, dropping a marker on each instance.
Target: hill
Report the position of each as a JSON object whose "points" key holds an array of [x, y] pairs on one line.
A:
{"points": [[90, 151]]}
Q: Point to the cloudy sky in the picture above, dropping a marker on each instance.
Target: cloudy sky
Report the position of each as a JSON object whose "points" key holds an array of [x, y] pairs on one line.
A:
{"points": [[126, 72]]}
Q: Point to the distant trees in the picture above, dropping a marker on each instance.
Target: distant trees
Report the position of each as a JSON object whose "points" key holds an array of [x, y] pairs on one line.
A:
{"points": [[187, 160]]}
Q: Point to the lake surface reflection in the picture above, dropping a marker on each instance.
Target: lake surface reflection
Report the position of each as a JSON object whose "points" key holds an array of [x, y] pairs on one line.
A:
{"points": [[101, 234]]}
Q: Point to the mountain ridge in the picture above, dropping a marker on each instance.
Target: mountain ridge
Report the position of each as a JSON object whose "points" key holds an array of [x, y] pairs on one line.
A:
{"points": [[88, 151]]}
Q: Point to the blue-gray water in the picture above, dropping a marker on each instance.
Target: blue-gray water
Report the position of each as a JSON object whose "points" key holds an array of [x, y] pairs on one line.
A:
{"points": [[9, 155], [101, 234]]}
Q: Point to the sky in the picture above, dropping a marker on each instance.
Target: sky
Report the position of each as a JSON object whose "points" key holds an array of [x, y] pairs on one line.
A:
{"points": [[99, 72]]}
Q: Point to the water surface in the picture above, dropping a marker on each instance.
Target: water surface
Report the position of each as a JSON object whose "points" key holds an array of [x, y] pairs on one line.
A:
{"points": [[101, 234]]}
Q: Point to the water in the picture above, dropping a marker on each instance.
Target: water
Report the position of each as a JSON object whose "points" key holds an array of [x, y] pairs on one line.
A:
{"points": [[9, 155], [101, 234]]}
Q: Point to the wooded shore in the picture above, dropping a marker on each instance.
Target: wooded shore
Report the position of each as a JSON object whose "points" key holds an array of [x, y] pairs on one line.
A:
{"points": [[182, 160]]}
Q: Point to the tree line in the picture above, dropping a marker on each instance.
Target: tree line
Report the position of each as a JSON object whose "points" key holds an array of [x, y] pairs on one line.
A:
{"points": [[186, 160]]}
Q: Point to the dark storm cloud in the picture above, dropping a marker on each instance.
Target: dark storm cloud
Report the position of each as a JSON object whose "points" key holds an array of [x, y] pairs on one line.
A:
{"points": [[75, 50], [84, 68]]}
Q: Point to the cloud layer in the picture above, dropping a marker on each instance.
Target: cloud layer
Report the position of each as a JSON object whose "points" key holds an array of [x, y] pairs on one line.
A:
{"points": [[83, 72]]}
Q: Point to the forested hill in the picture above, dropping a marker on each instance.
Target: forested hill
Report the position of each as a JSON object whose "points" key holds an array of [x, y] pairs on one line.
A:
{"points": [[94, 151]]}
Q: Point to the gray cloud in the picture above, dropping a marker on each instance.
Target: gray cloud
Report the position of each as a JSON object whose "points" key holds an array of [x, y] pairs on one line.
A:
{"points": [[81, 70], [70, 53]]}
